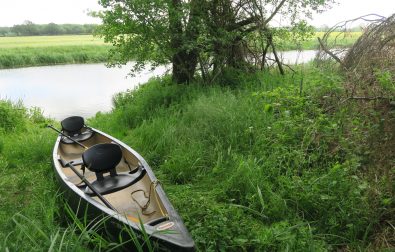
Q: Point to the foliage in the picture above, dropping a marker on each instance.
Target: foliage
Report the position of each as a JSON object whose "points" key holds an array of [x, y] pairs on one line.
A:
{"points": [[12, 115], [261, 165], [33, 214], [369, 63], [269, 164], [211, 34], [48, 50]]}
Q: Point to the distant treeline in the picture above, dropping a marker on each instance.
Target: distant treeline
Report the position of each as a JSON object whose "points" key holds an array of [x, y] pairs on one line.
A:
{"points": [[28, 28]]}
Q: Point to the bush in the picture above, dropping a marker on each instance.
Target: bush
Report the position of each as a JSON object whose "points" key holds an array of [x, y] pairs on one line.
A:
{"points": [[13, 115]]}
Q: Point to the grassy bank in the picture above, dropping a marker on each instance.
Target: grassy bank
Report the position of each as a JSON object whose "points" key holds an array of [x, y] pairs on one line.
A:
{"points": [[336, 39], [262, 165], [254, 162], [51, 50], [32, 213]]}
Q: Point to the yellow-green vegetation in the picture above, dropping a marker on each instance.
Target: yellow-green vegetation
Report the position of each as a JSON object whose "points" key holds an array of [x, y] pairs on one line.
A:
{"points": [[335, 39], [51, 50], [49, 41], [257, 162]]}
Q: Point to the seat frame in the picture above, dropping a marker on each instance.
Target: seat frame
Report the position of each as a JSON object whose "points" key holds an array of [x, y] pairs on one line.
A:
{"points": [[103, 158]]}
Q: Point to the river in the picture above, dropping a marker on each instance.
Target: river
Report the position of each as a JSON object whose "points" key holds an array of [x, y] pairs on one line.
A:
{"points": [[65, 90]]}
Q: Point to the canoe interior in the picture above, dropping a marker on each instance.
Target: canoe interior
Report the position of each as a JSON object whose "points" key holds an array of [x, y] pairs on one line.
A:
{"points": [[127, 201]]}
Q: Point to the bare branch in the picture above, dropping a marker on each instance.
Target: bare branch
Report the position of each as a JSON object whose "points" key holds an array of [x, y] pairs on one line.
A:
{"points": [[274, 13], [329, 52]]}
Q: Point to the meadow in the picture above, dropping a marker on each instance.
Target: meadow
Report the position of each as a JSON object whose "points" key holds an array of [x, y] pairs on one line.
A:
{"points": [[28, 51], [258, 162], [51, 50], [49, 41], [335, 40]]}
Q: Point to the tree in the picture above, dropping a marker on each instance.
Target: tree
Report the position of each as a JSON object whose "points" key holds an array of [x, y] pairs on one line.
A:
{"points": [[210, 33], [52, 29], [28, 28], [4, 31], [159, 32]]}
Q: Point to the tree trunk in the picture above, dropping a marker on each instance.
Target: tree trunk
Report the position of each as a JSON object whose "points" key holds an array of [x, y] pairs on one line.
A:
{"points": [[278, 61], [184, 60]]}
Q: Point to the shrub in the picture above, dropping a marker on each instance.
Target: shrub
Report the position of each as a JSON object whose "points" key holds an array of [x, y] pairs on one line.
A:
{"points": [[13, 115]]}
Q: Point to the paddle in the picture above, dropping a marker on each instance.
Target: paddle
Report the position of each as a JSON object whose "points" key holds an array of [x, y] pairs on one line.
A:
{"points": [[87, 183], [75, 141], [91, 186]]}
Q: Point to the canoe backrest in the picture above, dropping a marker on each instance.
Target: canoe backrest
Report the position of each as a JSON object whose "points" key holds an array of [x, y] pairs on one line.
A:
{"points": [[102, 158], [72, 125]]}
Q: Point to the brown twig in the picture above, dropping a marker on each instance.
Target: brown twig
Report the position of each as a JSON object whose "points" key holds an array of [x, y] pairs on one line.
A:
{"points": [[323, 47]]}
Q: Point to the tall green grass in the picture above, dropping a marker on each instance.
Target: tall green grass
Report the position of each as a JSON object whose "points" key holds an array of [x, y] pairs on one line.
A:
{"points": [[33, 213], [268, 163], [259, 165], [41, 56], [51, 50]]}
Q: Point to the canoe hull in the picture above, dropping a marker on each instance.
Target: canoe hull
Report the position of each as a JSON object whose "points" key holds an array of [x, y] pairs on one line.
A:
{"points": [[118, 226]]}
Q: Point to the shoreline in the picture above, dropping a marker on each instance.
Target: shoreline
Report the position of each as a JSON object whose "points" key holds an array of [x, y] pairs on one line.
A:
{"points": [[21, 52]]}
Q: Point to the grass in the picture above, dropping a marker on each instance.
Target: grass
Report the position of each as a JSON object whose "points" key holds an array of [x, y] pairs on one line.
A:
{"points": [[28, 51], [266, 164], [32, 212], [51, 50], [49, 41], [259, 166], [336, 39]]}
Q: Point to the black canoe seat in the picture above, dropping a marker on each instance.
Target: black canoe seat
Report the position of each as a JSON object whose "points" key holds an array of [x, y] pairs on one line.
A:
{"points": [[73, 127], [103, 158]]}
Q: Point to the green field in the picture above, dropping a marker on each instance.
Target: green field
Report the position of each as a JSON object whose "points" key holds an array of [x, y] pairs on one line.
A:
{"points": [[50, 41], [335, 40], [51, 50], [254, 162]]}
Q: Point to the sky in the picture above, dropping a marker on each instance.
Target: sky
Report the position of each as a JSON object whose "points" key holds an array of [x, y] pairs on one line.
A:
{"points": [[75, 11]]}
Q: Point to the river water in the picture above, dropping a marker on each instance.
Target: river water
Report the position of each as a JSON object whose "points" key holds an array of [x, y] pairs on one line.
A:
{"points": [[65, 90]]}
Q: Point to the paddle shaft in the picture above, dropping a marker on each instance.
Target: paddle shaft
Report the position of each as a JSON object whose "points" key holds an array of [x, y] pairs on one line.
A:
{"points": [[91, 187], [75, 141]]}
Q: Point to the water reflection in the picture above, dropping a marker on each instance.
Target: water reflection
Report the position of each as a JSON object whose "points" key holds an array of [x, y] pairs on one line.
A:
{"points": [[67, 90]]}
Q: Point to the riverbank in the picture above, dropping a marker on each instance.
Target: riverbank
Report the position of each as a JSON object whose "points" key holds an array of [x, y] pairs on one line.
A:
{"points": [[17, 52], [255, 162]]}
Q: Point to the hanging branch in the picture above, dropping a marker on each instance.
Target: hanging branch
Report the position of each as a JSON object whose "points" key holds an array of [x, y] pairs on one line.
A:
{"points": [[323, 47]]}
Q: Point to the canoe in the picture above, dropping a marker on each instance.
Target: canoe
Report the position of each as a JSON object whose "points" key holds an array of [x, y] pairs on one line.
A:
{"points": [[102, 177]]}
